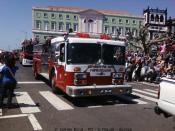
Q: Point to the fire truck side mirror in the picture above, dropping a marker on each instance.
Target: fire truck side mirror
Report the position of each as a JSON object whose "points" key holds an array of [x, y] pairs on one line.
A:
{"points": [[59, 62]]}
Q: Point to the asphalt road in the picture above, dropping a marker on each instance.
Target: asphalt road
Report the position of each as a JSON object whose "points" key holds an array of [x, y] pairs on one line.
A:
{"points": [[37, 108]]}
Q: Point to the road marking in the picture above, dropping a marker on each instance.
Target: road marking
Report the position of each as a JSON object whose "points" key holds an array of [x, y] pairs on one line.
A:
{"points": [[0, 112], [94, 106], [149, 90], [145, 83], [145, 92], [34, 122], [30, 82], [121, 105], [130, 99], [13, 116], [145, 97], [26, 103], [55, 101], [31, 117], [150, 84], [45, 75]]}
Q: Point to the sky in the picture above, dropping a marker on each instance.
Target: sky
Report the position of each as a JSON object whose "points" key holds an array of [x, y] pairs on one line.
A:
{"points": [[16, 15]]}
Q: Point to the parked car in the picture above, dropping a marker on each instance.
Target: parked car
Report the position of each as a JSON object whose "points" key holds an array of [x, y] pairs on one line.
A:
{"points": [[166, 97]]}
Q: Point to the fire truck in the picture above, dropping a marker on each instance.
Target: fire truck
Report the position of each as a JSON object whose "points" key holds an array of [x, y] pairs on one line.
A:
{"points": [[26, 54], [82, 66]]}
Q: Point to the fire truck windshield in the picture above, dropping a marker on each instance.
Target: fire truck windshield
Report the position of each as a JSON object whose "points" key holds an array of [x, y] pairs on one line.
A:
{"points": [[28, 48], [92, 53], [83, 53], [113, 54]]}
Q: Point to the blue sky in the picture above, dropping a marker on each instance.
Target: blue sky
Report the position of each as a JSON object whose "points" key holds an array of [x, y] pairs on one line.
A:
{"points": [[16, 15]]}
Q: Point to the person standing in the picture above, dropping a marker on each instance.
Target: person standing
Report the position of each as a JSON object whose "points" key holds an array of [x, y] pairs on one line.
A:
{"points": [[8, 81]]}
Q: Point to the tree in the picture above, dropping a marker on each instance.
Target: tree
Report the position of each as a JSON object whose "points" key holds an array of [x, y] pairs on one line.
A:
{"points": [[142, 39], [145, 43]]}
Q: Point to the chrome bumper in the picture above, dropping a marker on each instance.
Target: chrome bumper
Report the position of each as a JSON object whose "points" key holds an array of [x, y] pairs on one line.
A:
{"points": [[98, 90], [27, 62]]}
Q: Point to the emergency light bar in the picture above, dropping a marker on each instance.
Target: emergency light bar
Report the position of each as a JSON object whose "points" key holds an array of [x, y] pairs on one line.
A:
{"points": [[86, 35], [83, 35]]}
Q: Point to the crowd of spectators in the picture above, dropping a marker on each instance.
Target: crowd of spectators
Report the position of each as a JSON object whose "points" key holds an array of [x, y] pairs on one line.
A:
{"points": [[151, 66]]}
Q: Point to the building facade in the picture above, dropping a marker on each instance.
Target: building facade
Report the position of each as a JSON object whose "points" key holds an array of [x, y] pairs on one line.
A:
{"points": [[171, 26], [54, 21], [155, 19]]}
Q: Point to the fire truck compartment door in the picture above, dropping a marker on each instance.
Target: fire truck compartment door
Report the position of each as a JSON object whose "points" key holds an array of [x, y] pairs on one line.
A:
{"points": [[44, 62]]}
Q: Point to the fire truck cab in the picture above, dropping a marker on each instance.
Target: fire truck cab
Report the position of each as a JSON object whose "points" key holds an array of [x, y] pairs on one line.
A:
{"points": [[82, 66]]}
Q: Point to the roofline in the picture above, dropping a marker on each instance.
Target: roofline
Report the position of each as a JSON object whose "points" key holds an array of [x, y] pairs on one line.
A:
{"points": [[105, 12]]}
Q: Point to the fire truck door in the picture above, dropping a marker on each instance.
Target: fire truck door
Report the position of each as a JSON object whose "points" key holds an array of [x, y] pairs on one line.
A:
{"points": [[61, 64], [44, 62]]}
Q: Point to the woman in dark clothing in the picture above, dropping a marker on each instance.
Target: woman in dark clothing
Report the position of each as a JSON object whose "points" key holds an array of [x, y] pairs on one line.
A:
{"points": [[8, 80]]}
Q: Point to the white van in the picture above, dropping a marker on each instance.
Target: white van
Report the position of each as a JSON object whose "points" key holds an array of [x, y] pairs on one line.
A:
{"points": [[166, 97]]}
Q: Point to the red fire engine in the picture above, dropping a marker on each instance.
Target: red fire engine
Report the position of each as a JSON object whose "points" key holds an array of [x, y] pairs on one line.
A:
{"points": [[26, 54], [82, 66]]}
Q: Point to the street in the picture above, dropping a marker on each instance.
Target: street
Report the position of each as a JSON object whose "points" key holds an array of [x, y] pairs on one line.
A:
{"points": [[37, 108]]}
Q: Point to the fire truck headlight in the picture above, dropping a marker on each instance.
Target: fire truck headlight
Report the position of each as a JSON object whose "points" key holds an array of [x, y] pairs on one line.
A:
{"points": [[80, 79], [80, 76]]}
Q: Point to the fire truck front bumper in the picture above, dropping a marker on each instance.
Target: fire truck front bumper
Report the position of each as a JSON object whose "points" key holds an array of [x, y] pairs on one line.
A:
{"points": [[98, 90]]}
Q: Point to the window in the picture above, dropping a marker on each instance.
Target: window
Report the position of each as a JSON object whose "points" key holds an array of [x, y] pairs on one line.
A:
{"points": [[38, 24], [140, 23], [120, 21], [60, 27], [152, 17], [134, 32], [75, 29], [106, 29], [62, 53], [134, 22], [60, 16], [38, 15], [45, 15], [67, 17], [46, 25], [127, 30], [120, 30], [83, 53], [161, 18], [113, 54], [113, 30], [68, 26], [53, 15], [105, 19], [127, 21], [113, 21], [53, 25], [37, 48], [45, 37], [75, 17]]}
